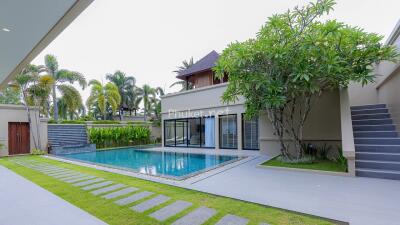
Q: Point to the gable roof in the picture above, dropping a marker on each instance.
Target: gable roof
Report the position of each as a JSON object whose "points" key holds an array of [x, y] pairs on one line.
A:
{"points": [[205, 63]]}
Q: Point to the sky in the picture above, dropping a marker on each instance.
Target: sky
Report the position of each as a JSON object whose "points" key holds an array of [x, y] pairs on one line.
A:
{"points": [[149, 39]]}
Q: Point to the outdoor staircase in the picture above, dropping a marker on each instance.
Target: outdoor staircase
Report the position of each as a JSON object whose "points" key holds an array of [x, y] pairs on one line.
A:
{"points": [[377, 142], [60, 135]]}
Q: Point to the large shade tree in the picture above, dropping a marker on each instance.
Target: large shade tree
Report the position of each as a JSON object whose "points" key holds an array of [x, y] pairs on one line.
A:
{"points": [[294, 58], [103, 97], [61, 76], [126, 88]]}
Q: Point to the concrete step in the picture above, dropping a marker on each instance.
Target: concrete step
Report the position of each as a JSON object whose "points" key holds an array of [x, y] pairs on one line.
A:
{"points": [[376, 164], [387, 127], [378, 148], [376, 134], [377, 141], [371, 116], [373, 106], [369, 111], [373, 122], [376, 173], [380, 156]]}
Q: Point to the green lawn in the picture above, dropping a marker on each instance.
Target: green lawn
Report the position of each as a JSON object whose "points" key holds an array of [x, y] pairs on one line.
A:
{"points": [[325, 165], [122, 215]]}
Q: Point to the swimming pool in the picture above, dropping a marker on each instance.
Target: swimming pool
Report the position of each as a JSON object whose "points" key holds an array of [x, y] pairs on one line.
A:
{"points": [[157, 163]]}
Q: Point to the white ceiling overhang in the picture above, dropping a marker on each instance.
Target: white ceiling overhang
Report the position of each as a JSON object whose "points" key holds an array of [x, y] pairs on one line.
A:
{"points": [[27, 27]]}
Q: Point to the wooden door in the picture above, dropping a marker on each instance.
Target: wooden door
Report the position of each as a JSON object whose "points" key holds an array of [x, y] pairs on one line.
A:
{"points": [[18, 138]]}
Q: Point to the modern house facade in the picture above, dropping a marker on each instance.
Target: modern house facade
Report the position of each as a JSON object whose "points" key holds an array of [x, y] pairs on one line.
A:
{"points": [[355, 118], [198, 117]]}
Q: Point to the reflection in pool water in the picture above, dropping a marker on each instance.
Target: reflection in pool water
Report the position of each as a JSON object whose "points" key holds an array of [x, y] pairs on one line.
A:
{"points": [[171, 164]]}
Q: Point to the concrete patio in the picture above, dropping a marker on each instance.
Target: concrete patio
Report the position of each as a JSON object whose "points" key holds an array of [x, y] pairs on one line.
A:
{"points": [[23, 202]]}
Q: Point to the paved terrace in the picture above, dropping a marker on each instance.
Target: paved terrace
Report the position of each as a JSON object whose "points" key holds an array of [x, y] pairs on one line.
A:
{"points": [[23, 202], [360, 201]]}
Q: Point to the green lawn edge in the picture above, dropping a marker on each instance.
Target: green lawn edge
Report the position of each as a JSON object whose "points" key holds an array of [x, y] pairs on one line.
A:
{"points": [[321, 165], [118, 215]]}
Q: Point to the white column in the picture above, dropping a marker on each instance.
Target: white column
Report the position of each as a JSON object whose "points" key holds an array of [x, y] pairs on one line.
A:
{"points": [[216, 132], [239, 131]]}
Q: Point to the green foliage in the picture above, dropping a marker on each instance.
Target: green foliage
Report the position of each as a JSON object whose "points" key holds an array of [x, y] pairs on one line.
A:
{"points": [[103, 96], [106, 122], [341, 159], [73, 122], [294, 59], [38, 152], [119, 136], [10, 95]]}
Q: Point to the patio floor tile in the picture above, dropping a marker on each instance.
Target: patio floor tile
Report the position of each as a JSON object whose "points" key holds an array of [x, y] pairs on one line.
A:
{"points": [[107, 189], [133, 198], [98, 185], [232, 220], [87, 182]]}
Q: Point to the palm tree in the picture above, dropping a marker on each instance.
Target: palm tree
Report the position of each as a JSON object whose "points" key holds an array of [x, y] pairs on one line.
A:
{"points": [[103, 96], [184, 84], [71, 101], [124, 84], [146, 93], [33, 89], [60, 76]]}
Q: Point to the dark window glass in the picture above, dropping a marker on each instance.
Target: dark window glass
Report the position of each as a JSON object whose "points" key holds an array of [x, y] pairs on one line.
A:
{"points": [[250, 133], [228, 131], [169, 132]]}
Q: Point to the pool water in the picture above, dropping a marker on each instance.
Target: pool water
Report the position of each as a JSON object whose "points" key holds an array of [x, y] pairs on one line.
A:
{"points": [[166, 163]]}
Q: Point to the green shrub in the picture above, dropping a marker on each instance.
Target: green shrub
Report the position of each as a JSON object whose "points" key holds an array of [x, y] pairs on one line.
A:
{"points": [[51, 121], [106, 122], [38, 152], [119, 136], [72, 122]]}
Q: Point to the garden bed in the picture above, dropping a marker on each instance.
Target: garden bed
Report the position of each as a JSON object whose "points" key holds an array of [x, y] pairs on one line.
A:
{"points": [[318, 164]]}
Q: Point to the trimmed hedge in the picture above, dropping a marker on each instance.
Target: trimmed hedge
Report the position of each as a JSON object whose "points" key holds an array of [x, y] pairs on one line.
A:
{"points": [[119, 136], [106, 122]]}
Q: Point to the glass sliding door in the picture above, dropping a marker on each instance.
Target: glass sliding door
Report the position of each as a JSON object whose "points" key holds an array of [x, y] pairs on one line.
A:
{"points": [[208, 132], [250, 133], [194, 132], [181, 129], [190, 132], [228, 131], [169, 132]]}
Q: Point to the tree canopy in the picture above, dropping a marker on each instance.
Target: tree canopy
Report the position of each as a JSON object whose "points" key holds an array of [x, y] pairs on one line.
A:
{"points": [[294, 58]]}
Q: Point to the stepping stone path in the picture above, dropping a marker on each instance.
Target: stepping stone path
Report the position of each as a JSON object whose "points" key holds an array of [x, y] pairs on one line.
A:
{"points": [[110, 190], [158, 200], [133, 198], [196, 217], [170, 210], [84, 183], [98, 185], [232, 220], [107, 189], [120, 193]]}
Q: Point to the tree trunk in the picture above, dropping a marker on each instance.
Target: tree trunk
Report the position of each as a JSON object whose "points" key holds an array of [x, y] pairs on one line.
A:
{"points": [[28, 111], [55, 105]]}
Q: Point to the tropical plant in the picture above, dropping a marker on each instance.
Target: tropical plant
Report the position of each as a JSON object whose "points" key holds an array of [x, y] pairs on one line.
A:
{"points": [[293, 60], [70, 103], [126, 88], [33, 89], [103, 97], [61, 76], [10, 95], [184, 84], [146, 93], [119, 136]]}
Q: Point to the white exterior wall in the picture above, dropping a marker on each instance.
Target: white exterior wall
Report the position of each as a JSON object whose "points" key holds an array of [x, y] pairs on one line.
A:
{"points": [[323, 123], [17, 113]]}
